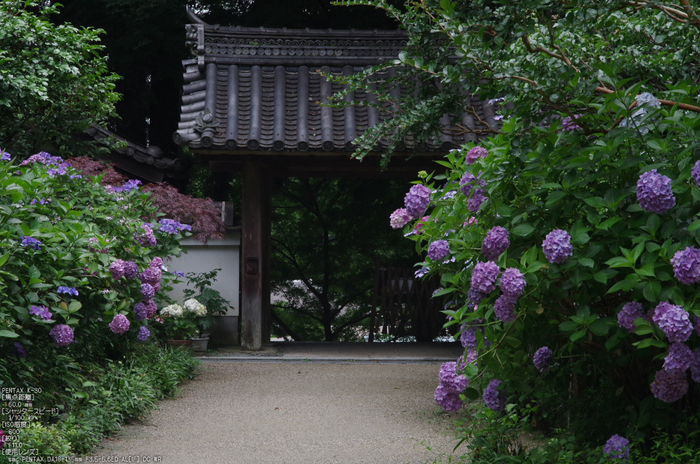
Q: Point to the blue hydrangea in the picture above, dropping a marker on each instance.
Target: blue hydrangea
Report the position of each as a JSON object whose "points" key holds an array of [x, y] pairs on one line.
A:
{"points": [[484, 277], [669, 385], [686, 265], [543, 359], [143, 334], [504, 307], [495, 243], [438, 250], [41, 311], [448, 400], [654, 192], [696, 173], [557, 246], [68, 290], [120, 324], [617, 447], [494, 398], [4, 156], [628, 314], [30, 242], [62, 335], [128, 186], [417, 200], [513, 282], [679, 357], [172, 227]]}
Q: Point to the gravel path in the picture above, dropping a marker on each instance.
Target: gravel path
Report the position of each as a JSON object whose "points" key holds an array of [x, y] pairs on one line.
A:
{"points": [[289, 413]]}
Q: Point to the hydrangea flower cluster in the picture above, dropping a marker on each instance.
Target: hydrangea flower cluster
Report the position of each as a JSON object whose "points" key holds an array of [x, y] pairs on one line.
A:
{"points": [[504, 307], [140, 311], [143, 334], [151, 276], [468, 338], [696, 173], [513, 282], [617, 447], [476, 153], [557, 246], [131, 269], [628, 314], [62, 335], [146, 238], [686, 265], [174, 310], [468, 182], [4, 156], [447, 394], [568, 123], [438, 250], [417, 200], [543, 359], [674, 321], [495, 243], [41, 311], [30, 242], [484, 277], [128, 186], [196, 307], [679, 357], [19, 350], [669, 385], [476, 200], [494, 398], [120, 324], [68, 290], [147, 291], [172, 227], [654, 192], [399, 218]]}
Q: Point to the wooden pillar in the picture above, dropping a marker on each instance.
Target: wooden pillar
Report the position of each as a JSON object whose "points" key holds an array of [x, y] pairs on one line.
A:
{"points": [[255, 244]]}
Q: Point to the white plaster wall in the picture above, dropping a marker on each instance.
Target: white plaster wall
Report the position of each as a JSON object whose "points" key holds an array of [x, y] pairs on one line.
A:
{"points": [[223, 254]]}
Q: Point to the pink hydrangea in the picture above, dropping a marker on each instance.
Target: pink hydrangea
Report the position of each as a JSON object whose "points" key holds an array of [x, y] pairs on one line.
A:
{"points": [[399, 218], [476, 153]]}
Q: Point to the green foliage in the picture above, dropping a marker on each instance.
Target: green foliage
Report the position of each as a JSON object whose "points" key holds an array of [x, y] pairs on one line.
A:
{"points": [[54, 83], [548, 61]]}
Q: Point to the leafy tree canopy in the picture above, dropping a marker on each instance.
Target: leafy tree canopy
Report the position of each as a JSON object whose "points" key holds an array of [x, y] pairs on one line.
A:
{"points": [[54, 83]]}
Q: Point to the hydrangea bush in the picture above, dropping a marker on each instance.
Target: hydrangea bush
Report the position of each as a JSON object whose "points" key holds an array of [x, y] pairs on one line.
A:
{"points": [[82, 269]]}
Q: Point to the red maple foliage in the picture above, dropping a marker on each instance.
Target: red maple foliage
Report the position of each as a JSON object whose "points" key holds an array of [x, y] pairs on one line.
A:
{"points": [[201, 213]]}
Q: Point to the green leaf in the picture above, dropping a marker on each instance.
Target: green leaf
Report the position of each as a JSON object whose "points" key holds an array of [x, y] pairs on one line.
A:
{"points": [[618, 262], [569, 326], [578, 335], [694, 226], [8, 334], [608, 223], [647, 342], [444, 291], [599, 327], [4, 258], [596, 202], [471, 394]]}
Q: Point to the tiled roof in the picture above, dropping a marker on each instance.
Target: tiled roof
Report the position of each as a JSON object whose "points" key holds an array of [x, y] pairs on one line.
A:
{"points": [[260, 89]]}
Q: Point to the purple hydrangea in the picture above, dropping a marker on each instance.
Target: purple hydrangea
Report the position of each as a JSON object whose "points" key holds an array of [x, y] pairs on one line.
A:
{"points": [[674, 321], [157, 262], [513, 282], [686, 265], [68, 290], [448, 400], [151, 309], [59, 169], [129, 185], [568, 123], [474, 296], [146, 238], [151, 275], [484, 277], [617, 447], [118, 269], [19, 350], [695, 366], [504, 307], [172, 227], [147, 291], [417, 200], [628, 314], [140, 311], [450, 379], [468, 337], [438, 250], [557, 246], [696, 324], [41, 311], [696, 173], [62, 335], [654, 192], [679, 357], [30, 242], [495, 243], [543, 359], [468, 182], [476, 200], [669, 385], [399, 218], [131, 269], [120, 324], [4, 156], [476, 153], [143, 334], [494, 398]]}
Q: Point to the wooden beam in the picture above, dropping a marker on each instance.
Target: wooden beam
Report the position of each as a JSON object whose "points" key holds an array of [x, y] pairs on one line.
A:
{"points": [[255, 286]]}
